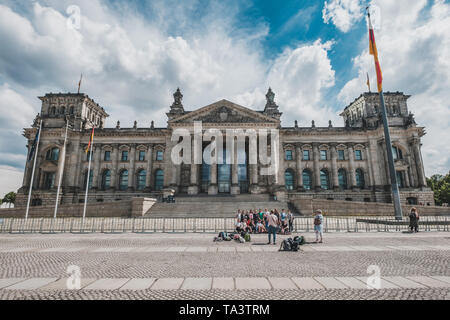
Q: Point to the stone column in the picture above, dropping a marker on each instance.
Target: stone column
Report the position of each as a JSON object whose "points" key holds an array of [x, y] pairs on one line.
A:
{"points": [[405, 173], [115, 161], [132, 168], [96, 166], [148, 177], [351, 171], [334, 170], [374, 163], [212, 189], [299, 155], [235, 170], [419, 164], [60, 163], [28, 167], [316, 178]]}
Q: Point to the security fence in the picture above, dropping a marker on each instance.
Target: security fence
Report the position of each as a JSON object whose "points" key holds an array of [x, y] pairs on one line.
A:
{"points": [[208, 225]]}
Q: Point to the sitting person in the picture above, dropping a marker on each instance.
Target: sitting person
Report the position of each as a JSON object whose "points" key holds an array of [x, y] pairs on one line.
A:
{"points": [[285, 227], [260, 227]]}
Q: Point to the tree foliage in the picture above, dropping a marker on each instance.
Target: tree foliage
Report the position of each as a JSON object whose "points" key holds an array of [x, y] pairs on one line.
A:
{"points": [[10, 198], [441, 187]]}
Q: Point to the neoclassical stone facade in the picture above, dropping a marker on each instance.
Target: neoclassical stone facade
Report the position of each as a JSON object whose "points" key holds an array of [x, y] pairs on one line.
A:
{"points": [[342, 163]]}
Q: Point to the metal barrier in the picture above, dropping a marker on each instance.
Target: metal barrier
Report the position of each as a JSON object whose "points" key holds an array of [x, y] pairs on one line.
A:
{"points": [[208, 225]]}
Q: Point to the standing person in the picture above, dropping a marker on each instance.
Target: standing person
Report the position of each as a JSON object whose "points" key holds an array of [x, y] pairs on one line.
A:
{"points": [[290, 216], [273, 222], [414, 220], [238, 215], [318, 227]]}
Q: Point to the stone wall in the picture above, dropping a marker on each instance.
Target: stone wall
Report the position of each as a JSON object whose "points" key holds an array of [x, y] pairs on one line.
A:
{"points": [[306, 206], [124, 208]]}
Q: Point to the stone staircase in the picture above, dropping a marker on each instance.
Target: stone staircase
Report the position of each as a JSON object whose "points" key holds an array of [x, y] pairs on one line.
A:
{"points": [[213, 206]]}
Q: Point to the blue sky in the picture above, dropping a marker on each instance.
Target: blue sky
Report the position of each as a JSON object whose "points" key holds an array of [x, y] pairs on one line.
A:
{"points": [[134, 54]]}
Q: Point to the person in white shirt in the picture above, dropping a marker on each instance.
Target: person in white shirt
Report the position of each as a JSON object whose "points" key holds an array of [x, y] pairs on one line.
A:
{"points": [[272, 222], [318, 228]]}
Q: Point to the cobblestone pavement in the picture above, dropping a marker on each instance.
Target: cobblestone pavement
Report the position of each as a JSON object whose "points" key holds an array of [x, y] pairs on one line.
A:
{"points": [[192, 266]]}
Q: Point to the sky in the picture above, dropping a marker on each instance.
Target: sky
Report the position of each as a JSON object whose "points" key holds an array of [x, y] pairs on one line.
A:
{"points": [[134, 54]]}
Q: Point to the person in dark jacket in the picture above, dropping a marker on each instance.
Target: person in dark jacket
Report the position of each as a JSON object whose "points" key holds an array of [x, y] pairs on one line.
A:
{"points": [[414, 220]]}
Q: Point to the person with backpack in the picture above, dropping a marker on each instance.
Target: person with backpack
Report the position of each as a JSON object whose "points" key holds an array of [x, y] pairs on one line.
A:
{"points": [[318, 225], [414, 220], [272, 222]]}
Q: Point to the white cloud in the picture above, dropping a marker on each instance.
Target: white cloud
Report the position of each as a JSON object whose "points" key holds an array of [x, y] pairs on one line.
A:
{"points": [[414, 47], [342, 13], [11, 179]]}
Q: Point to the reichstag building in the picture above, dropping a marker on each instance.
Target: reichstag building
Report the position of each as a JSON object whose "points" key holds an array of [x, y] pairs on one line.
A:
{"points": [[346, 162]]}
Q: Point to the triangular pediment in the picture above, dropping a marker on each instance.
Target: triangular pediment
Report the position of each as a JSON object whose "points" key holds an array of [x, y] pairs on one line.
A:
{"points": [[224, 111]]}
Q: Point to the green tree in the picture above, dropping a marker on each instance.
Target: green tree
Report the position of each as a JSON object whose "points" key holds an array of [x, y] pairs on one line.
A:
{"points": [[9, 198], [441, 187]]}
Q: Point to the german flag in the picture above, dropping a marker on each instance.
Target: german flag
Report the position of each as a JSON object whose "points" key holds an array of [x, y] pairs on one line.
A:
{"points": [[91, 139], [373, 51]]}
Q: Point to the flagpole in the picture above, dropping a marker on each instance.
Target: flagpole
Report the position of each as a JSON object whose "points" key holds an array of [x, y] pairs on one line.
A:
{"points": [[32, 171], [387, 136], [87, 181], [61, 170]]}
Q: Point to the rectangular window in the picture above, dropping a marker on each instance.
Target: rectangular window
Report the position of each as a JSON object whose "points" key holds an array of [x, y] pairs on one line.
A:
{"points": [[358, 155], [288, 154], [88, 155], [107, 156], [306, 155], [159, 155], [141, 155], [341, 155], [323, 154], [124, 155]]}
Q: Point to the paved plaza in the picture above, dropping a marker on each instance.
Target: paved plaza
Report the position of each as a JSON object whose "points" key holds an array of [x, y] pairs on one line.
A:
{"points": [[192, 266]]}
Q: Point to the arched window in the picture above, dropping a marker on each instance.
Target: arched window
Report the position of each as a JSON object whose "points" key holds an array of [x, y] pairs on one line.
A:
{"points": [[342, 178], [324, 179], [123, 180], [53, 111], [85, 179], [52, 154], [289, 179], [62, 110], [159, 179], [71, 110], [307, 179], [397, 153], [360, 178], [140, 181], [106, 179]]}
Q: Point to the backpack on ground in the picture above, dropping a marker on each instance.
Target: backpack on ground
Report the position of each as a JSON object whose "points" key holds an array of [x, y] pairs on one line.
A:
{"points": [[247, 237], [236, 236], [286, 245], [241, 240], [300, 240]]}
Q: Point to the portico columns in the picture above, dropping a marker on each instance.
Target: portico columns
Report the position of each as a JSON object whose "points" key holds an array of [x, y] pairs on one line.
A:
{"points": [[115, 161], [419, 166], [212, 188], [351, 160], [96, 167], [193, 186], [132, 173], [234, 170]]}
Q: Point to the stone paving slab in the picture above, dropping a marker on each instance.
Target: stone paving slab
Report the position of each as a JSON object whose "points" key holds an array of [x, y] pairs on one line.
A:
{"points": [[226, 249], [384, 284], [197, 284], [282, 283], [167, 284], [352, 282], [429, 282], [243, 249], [252, 283], [223, 283], [107, 284], [197, 249], [61, 284], [102, 250], [127, 249], [31, 284], [138, 284], [9, 281], [307, 283], [403, 282], [442, 278], [330, 283]]}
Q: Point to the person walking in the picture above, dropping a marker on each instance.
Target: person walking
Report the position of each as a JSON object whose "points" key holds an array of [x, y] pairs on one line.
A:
{"points": [[414, 220], [272, 222], [318, 225]]}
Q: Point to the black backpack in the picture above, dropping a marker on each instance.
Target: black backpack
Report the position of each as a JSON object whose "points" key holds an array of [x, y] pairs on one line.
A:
{"points": [[286, 245], [300, 240]]}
